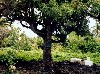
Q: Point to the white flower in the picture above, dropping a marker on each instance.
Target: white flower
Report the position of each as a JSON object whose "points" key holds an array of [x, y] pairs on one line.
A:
{"points": [[12, 68]]}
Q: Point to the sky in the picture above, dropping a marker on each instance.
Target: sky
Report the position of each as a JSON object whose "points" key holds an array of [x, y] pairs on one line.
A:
{"points": [[92, 22], [31, 34], [27, 31]]}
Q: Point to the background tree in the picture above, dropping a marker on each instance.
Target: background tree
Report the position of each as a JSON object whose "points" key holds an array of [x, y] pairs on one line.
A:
{"points": [[57, 17], [4, 31]]}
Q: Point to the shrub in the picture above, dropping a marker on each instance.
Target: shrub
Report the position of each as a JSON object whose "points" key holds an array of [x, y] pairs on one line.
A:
{"points": [[12, 56], [20, 44], [85, 44], [89, 44], [23, 43], [13, 37]]}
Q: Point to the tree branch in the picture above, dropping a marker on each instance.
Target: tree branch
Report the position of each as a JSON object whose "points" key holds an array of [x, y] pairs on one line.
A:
{"points": [[54, 41], [33, 28], [2, 8], [95, 17], [24, 25], [38, 32], [2, 4]]}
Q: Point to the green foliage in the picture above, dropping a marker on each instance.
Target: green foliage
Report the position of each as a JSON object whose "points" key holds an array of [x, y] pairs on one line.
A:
{"points": [[23, 43], [17, 41], [85, 44], [62, 56], [12, 56], [55, 11], [8, 56], [88, 45], [4, 22], [4, 33], [13, 38], [59, 52], [38, 41], [84, 1]]}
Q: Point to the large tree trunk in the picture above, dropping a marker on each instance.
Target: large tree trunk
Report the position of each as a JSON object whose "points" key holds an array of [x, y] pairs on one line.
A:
{"points": [[47, 59]]}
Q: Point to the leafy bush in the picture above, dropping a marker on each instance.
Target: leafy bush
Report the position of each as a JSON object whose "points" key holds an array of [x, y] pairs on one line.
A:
{"points": [[17, 41], [89, 44], [85, 44], [62, 56], [36, 42], [23, 43], [80, 47], [13, 37], [11, 56]]}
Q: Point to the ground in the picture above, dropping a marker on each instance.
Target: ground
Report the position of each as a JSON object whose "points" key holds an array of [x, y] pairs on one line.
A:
{"points": [[66, 67]]}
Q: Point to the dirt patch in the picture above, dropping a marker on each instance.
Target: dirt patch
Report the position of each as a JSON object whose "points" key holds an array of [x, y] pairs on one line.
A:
{"points": [[66, 67]]}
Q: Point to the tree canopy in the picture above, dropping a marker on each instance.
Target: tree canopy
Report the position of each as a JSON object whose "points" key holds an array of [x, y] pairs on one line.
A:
{"points": [[63, 16]]}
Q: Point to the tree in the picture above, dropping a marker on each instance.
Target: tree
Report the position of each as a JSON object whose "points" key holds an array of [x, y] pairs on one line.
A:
{"points": [[57, 17], [4, 31]]}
